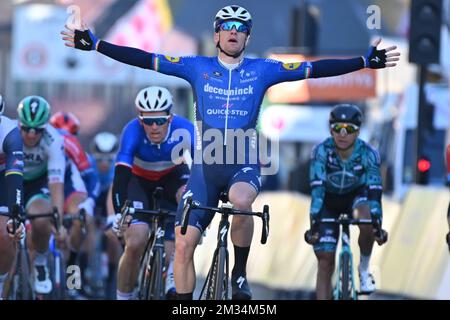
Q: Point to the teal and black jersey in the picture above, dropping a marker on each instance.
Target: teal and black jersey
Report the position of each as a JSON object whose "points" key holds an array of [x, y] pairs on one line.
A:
{"points": [[329, 174]]}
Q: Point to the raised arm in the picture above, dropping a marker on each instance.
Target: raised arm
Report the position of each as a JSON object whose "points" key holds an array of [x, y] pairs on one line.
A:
{"points": [[85, 40], [374, 59]]}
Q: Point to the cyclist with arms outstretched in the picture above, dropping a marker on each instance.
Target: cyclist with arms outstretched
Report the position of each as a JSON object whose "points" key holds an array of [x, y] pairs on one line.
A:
{"points": [[228, 91]]}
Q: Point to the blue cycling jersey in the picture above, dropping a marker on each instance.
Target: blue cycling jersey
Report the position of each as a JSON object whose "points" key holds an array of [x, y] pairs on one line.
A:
{"points": [[106, 178], [229, 98], [149, 160], [11, 165]]}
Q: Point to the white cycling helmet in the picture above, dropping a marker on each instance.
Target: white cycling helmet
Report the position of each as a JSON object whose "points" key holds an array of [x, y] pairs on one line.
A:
{"points": [[2, 105], [233, 12], [104, 142], [154, 99]]}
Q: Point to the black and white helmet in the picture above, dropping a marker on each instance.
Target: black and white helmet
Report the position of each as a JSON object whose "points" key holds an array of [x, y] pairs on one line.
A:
{"points": [[2, 105], [104, 143], [233, 12], [154, 99]]}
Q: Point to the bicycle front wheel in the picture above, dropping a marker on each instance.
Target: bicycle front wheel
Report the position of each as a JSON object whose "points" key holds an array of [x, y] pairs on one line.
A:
{"points": [[153, 276], [345, 284], [219, 276]]}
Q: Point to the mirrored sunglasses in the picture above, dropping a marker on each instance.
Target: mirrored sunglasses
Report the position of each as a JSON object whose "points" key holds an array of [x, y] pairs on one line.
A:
{"points": [[349, 128], [229, 25], [159, 120], [31, 129]]}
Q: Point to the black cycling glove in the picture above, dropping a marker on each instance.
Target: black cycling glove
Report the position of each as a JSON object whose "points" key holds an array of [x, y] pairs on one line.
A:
{"points": [[375, 59], [85, 40]]}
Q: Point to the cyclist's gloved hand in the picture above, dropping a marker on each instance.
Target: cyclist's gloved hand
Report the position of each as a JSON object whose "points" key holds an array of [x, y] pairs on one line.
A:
{"points": [[312, 235], [85, 40], [381, 236], [20, 230], [119, 231], [88, 205], [375, 59]]}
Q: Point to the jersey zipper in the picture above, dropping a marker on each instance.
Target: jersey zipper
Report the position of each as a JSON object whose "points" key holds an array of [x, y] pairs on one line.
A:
{"points": [[227, 106], [343, 177]]}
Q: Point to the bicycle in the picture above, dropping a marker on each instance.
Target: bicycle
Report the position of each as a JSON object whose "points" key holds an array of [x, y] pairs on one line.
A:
{"points": [[217, 279], [19, 285], [57, 261], [150, 280], [345, 283]]}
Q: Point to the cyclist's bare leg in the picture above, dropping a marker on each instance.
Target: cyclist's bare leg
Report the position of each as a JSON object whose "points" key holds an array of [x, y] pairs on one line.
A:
{"points": [[135, 240], [72, 207], [184, 270], [366, 236], [242, 195], [114, 248], [7, 248], [7, 252], [169, 248], [325, 270], [40, 228]]}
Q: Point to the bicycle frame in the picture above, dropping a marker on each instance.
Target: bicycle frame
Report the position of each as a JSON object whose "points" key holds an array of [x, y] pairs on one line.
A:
{"points": [[151, 277], [345, 283], [218, 274]]}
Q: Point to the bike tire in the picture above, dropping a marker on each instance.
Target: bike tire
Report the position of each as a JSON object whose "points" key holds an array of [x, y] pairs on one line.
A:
{"points": [[211, 277], [20, 284], [58, 277], [142, 276], [221, 277], [153, 279], [345, 285]]}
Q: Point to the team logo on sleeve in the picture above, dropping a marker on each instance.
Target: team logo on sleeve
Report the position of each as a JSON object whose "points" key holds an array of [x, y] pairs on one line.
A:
{"points": [[291, 66], [173, 59]]}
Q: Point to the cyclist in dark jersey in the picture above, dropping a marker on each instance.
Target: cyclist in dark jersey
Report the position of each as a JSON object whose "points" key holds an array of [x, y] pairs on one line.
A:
{"points": [[150, 156], [228, 91], [11, 186], [344, 176]]}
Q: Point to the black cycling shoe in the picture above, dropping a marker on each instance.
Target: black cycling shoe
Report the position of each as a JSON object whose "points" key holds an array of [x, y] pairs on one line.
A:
{"points": [[240, 288]]}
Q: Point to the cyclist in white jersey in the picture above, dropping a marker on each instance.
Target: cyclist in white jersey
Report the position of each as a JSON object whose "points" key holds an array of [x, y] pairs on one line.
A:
{"points": [[43, 180]]}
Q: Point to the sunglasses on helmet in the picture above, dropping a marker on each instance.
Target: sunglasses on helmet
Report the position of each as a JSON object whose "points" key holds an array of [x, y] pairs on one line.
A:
{"points": [[158, 120], [29, 129], [229, 25], [348, 127]]}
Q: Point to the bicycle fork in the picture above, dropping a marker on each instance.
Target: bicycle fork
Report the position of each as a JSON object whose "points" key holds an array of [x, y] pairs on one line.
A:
{"points": [[345, 284]]}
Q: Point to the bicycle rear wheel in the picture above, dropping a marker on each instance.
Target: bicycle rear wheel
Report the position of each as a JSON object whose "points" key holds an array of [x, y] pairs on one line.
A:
{"points": [[58, 277], [153, 284], [217, 282]]}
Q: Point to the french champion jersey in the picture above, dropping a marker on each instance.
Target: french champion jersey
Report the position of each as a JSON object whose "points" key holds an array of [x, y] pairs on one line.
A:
{"points": [[149, 160]]}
